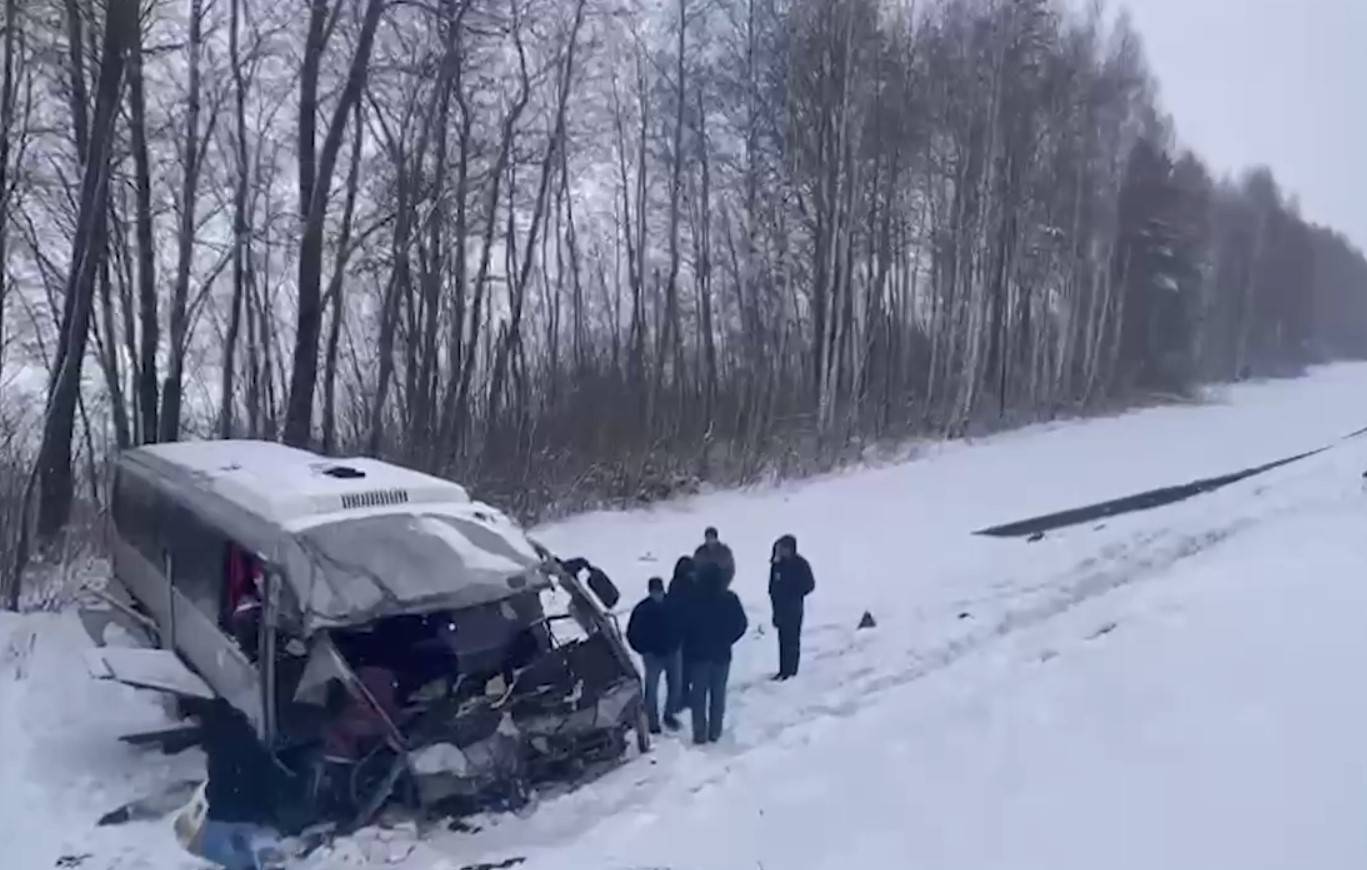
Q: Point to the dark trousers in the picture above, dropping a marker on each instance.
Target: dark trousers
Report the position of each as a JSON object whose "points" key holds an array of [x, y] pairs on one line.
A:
{"points": [[686, 687], [789, 648], [709, 699]]}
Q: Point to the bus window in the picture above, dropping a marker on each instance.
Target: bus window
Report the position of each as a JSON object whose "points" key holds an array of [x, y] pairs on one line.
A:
{"points": [[136, 516], [243, 604], [198, 552]]}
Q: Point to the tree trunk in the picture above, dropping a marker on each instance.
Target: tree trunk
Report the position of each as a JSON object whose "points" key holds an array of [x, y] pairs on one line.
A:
{"points": [[518, 284], [408, 176], [397, 288], [336, 289], [7, 136], [314, 46], [189, 194], [79, 102], [452, 425], [704, 279], [149, 326], [109, 355], [80, 98], [128, 307], [241, 227], [425, 432], [670, 347], [500, 166], [304, 373], [579, 338], [54, 456]]}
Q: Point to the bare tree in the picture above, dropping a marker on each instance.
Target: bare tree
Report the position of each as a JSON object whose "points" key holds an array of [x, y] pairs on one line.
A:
{"points": [[54, 456], [313, 207], [194, 145], [757, 233], [10, 135], [336, 286], [241, 222], [149, 323], [671, 339], [519, 280]]}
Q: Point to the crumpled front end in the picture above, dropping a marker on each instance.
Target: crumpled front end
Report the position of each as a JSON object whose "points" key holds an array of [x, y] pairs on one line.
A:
{"points": [[564, 715], [456, 711]]}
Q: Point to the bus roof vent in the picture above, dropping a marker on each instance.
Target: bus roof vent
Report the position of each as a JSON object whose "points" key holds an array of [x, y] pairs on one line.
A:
{"points": [[344, 472], [374, 498]]}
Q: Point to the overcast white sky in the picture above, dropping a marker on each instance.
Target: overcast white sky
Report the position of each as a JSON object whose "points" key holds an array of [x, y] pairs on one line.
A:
{"points": [[1280, 82]]}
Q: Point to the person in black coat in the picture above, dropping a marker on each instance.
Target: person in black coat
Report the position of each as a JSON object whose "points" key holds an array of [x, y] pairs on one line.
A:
{"points": [[653, 632], [683, 585], [683, 582], [790, 582], [713, 551], [715, 621]]}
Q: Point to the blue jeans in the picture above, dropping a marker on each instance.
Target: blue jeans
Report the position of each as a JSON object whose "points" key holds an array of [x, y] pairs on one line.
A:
{"points": [[240, 845], [671, 666], [709, 699]]}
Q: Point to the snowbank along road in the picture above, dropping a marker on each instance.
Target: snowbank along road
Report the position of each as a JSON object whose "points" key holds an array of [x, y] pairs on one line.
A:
{"points": [[1170, 688]]}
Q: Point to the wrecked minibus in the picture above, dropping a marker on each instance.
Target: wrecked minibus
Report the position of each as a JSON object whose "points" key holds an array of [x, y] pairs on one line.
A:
{"points": [[389, 640]]}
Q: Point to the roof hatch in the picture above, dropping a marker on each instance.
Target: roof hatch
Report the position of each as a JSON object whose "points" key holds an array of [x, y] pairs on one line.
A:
{"points": [[344, 472]]}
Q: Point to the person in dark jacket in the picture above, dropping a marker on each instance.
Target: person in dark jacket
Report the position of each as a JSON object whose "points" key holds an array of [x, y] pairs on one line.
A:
{"points": [[653, 632], [683, 585], [715, 621], [790, 582], [683, 582], [713, 551], [240, 792]]}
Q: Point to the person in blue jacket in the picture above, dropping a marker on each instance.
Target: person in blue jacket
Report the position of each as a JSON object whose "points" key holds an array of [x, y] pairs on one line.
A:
{"points": [[714, 622], [653, 632]]}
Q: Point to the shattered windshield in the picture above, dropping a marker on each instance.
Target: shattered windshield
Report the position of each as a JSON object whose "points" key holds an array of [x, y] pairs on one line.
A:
{"points": [[373, 563]]}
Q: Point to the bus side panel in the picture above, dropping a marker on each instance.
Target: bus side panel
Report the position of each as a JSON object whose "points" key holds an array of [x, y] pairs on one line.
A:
{"points": [[144, 581], [156, 536], [199, 552], [217, 658]]}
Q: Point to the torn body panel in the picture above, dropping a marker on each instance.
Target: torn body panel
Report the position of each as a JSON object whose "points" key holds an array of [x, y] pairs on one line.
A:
{"points": [[157, 669]]}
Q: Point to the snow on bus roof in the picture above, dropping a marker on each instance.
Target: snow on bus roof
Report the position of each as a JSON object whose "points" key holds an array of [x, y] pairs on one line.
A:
{"points": [[369, 539], [287, 484]]}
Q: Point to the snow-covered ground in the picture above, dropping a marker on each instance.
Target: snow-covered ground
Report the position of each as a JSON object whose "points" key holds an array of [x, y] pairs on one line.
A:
{"points": [[1176, 688]]}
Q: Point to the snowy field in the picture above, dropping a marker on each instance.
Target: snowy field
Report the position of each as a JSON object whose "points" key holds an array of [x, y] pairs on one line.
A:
{"points": [[1180, 688]]}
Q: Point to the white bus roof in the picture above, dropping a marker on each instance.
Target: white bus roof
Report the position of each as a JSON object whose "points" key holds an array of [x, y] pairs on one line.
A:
{"points": [[361, 538], [294, 487]]}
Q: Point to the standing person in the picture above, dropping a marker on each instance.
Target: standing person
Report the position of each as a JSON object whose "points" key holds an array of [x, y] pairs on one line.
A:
{"points": [[790, 582], [236, 833], [715, 622], [713, 551], [653, 632], [683, 582], [683, 586]]}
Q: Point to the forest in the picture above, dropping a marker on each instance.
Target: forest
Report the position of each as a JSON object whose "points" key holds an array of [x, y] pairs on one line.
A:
{"points": [[579, 252]]}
